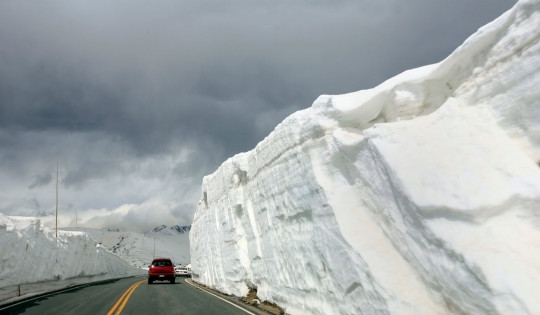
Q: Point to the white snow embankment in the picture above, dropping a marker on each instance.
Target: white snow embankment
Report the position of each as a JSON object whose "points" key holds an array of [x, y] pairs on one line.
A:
{"points": [[420, 196], [30, 254]]}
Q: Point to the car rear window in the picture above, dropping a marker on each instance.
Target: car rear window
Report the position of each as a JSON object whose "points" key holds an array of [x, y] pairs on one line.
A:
{"points": [[162, 263]]}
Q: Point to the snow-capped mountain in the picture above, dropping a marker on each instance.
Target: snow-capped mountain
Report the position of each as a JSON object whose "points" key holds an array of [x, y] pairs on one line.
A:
{"points": [[139, 248], [419, 196], [175, 229]]}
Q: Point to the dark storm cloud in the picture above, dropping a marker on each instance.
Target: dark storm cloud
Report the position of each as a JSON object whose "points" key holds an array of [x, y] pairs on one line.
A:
{"points": [[149, 76], [40, 180], [107, 86]]}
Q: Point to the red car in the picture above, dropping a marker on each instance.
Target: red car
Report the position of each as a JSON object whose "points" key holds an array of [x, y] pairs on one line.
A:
{"points": [[161, 269]]}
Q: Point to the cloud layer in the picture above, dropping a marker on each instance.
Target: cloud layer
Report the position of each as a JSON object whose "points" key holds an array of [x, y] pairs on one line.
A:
{"points": [[138, 101]]}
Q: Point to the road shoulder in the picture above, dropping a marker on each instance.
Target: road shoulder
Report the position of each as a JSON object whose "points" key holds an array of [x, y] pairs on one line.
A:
{"points": [[250, 305]]}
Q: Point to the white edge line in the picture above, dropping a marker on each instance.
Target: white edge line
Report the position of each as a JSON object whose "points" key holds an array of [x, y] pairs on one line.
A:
{"points": [[243, 309]]}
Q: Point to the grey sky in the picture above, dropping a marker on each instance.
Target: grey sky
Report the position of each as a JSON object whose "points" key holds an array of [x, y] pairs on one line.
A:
{"points": [[140, 99]]}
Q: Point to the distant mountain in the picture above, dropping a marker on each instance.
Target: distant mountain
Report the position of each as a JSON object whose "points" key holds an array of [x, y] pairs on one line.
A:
{"points": [[159, 228], [139, 248], [181, 229], [175, 229]]}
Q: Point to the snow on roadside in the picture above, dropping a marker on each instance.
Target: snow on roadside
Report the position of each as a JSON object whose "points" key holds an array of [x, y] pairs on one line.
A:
{"points": [[419, 196], [30, 253]]}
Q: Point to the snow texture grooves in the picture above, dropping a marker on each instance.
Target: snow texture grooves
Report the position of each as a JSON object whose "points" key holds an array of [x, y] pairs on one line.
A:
{"points": [[419, 196]]}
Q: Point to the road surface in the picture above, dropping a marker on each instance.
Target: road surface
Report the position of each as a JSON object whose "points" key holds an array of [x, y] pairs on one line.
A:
{"points": [[128, 296]]}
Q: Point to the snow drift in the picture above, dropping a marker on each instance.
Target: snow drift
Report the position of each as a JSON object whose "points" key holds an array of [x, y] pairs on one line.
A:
{"points": [[30, 254], [419, 196]]}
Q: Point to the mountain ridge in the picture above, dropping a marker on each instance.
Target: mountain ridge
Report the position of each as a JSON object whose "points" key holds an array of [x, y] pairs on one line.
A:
{"points": [[175, 228], [138, 248]]}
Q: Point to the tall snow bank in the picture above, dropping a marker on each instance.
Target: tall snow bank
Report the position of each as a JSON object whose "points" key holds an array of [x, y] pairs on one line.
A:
{"points": [[420, 196], [30, 253]]}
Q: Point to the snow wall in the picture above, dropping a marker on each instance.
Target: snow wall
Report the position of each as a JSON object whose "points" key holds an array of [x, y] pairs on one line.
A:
{"points": [[32, 260], [419, 196]]}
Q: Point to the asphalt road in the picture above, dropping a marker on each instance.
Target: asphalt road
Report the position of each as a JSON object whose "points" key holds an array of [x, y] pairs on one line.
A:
{"points": [[127, 296]]}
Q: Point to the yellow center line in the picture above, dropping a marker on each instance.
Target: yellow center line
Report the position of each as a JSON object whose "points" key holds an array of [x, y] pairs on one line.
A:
{"points": [[123, 299]]}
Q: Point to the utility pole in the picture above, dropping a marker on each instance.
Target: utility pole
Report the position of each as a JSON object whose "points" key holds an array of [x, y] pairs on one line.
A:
{"points": [[154, 254], [56, 198]]}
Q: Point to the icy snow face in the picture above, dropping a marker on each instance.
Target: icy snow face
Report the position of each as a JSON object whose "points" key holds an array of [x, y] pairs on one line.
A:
{"points": [[420, 196], [30, 253]]}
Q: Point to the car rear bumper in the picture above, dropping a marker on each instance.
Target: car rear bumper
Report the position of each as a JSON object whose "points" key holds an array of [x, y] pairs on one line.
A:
{"points": [[158, 276]]}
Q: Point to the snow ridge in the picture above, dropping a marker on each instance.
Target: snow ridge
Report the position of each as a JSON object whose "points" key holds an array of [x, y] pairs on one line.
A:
{"points": [[30, 253], [419, 196]]}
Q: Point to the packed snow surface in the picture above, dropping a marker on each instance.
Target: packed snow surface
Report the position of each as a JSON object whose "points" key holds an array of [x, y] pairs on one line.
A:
{"points": [[419, 196], [30, 253]]}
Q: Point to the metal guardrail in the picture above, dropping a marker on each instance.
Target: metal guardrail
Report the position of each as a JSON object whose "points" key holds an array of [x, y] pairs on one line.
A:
{"points": [[7, 294]]}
